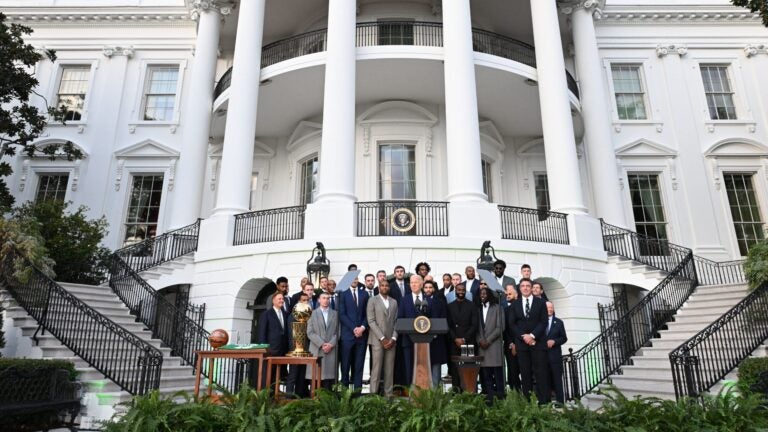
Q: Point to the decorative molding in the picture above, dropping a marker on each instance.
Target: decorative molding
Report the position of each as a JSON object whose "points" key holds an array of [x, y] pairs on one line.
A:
{"points": [[752, 50], [111, 51], [620, 173], [172, 173], [663, 50], [737, 147], [715, 172], [214, 172], [76, 174], [428, 141], [645, 148], [366, 140], [119, 173], [199, 7], [147, 149], [672, 162], [595, 6], [160, 16], [304, 131], [24, 175], [678, 15]]}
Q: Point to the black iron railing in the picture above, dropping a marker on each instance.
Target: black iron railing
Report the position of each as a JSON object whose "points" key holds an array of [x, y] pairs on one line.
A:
{"points": [[659, 254], [401, 218], [161, 249], [413, 33], [719, 273], [261, 226], [518, 223], [707, 357], [133, 364]]}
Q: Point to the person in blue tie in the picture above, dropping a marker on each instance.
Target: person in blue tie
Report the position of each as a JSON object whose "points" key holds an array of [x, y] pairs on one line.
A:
{"points": [[556, 337], [414, 304], [354, 333]]}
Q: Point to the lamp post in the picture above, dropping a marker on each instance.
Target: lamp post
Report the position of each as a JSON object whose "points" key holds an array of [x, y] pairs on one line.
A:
{"points": [[318, 265], [487, 257]]}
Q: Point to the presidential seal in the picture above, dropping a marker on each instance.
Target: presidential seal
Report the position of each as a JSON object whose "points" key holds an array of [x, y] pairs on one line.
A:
{"points": [[402, 220], [422, 324]]}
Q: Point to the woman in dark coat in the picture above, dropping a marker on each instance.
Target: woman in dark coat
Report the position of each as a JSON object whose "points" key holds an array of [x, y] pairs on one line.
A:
{"points": [[438, 348]]}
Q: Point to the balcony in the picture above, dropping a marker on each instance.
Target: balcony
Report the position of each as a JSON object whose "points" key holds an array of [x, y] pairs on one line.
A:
{"points": [[404, 33], [401, 218]]}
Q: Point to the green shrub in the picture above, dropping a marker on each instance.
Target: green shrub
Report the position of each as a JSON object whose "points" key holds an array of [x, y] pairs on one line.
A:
{"points": [[750, 370], [756, 265], [38, 364]]}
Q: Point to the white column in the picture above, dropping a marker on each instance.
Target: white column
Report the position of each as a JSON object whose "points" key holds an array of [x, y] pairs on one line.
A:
{"points": [[234, 187], [594, 109], [465, 182], [337, 151], [196, 118], [559, 142]]}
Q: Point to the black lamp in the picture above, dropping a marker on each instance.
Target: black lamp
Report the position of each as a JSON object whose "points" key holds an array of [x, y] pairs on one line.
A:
{"points": [[487, 257], [318, 265]]}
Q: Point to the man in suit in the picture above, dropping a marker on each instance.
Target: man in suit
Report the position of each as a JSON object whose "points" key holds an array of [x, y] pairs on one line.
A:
{"points": [[537, 289], [307, 289], [462, 326], [399, 285], [499, 267], [369, 282], [556, 337], [323, 335], [510, 351], [491, 345], [414, 304], [472, 285], [438, 347], [282, 288], [354, 333], [382, 337], [528, 323], [273, 329]]}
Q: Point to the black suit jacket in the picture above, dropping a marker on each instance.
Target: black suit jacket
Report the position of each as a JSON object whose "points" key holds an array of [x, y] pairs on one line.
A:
{"points": [[462, 321], [394, 289], [272, 333], [535, 324], [557, 334]]}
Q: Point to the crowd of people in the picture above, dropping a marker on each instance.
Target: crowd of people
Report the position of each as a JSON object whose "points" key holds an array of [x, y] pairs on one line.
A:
{"points": [[517, 328]]}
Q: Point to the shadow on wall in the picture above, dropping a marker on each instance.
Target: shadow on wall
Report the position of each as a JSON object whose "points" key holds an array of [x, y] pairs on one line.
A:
{"points": [[252, 298]]}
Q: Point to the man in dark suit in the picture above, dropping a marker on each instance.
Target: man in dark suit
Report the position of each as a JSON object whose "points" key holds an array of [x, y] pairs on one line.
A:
{"points": [[399, 285], [528, 324], [309, 290], [462, 326], [273, 329], [282, 288], [472, 285], [556, 337], [354, 333], [537, 289], [499, 267], [414, 304], [510, 350]]}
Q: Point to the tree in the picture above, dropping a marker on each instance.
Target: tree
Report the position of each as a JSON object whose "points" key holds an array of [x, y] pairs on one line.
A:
{"points": [[72, 241], [760, 6], [21, 123]]}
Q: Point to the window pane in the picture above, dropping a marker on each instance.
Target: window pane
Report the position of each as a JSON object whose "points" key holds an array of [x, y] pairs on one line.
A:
{"points": [[745, 212], [144, 208], [542, 192], [73, 87], [397, 171], [717, 90], [629, 93], [487, 179], [309, 180], [52, 187], [160, 93], [648, 211]]}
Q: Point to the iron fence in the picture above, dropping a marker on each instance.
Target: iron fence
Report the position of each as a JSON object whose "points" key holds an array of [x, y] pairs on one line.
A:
{"points": [[157, 250], [401, 218], [719, 273], [518, 223], [659, 254], [261, 226]]}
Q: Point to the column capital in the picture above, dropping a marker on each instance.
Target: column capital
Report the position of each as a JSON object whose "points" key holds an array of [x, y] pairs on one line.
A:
{"points": [[594, 6], [198, 7]]}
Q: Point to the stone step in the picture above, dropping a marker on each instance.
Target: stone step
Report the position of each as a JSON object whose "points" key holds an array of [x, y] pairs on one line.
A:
{"points": [[720, 289], [644, 386], [672, 343], [642, 372], [721, 305], [86, 340], [87, 289], [651, 362], [89, 373]]}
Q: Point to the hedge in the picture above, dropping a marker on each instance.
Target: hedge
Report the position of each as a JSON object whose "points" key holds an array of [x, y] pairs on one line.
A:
{"points": [[750, 370], [25, 364]]}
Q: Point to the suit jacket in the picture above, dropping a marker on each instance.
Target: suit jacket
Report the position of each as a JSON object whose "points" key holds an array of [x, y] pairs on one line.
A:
{"points": [[506, 312], [507, 280], [381, 320], [557, 334], [462, 321], [407, 309], [353, 314], [287, 305], [271, 332], [535, 324], [492, 331], [319, 333], [438, 350], [394, 289], [473, 290]]}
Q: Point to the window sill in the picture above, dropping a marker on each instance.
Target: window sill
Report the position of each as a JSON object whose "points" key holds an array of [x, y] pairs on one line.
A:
{"points": [[712, 125], [79, 124], [171, 125], [619, 124]]}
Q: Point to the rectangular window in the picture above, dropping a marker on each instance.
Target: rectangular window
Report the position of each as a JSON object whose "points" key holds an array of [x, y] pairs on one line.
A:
{"points": [[160, 93], [745, 210], [52, 187], [309, 180], [629, 92], [144, 208], [73, 87], [397, 172], [542, 192], [719, 93], [395, 32], [648, 211], [254, 191], [487, 179]]}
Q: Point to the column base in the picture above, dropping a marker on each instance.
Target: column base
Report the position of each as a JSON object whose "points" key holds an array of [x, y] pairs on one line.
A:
{"points": [[216, 232], [329, 219], [474, 220], [585, 231]]}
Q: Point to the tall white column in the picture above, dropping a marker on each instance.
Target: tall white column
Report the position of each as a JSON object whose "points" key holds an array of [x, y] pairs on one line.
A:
{"points": [[559, 141], [196, 116], [234, 187], [465, 183], [337, 151], [594, 109]]}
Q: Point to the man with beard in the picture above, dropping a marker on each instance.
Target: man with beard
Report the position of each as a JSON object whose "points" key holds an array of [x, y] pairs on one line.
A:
{"points": [[462, 326], [510, 351]]}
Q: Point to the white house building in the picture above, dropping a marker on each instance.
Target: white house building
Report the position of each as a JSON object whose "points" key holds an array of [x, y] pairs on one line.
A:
{"points": [[282, 123]]}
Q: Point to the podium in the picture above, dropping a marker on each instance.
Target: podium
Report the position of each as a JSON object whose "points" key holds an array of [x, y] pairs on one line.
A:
{"points": [[421, 334]]}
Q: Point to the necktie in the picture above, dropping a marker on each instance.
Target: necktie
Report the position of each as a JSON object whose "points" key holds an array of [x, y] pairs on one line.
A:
{"points": [[354, 296], [549, 325], [333, 303], [527, 307], [280, 318]]}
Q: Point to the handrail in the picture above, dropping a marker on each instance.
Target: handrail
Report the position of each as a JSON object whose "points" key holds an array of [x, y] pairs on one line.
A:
{"points": [[719, 273], [420, 218], [169, 324], [519, 223], [707, 357], [261, 226], [412, 33], [157, 250], [659, 254], [130, 362]]}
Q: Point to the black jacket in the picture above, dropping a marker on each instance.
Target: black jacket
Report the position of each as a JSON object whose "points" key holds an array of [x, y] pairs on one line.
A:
{"points": [[535, 323], [462, 321]]}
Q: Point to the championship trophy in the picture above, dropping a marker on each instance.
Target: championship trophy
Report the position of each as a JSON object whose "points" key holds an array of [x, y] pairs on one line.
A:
{"points": [[301, 314]]}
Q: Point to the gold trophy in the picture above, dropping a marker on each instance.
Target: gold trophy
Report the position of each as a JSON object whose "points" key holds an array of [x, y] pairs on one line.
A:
{"points": [[301, 314]]}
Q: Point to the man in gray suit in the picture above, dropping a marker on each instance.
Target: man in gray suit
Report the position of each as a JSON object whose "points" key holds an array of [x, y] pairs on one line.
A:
{"points": [[490, 341], [382, 337], [323, 335]]}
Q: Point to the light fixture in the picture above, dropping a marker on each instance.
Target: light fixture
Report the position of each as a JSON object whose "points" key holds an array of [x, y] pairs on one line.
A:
{"points": [[318, 265], [487, 257]]}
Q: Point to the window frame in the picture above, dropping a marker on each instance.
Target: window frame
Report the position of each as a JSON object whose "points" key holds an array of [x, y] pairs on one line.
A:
{"points": [[300, 175], [132, 173], [743, 112], [39, 176], [377, 183], [649, 81], [729, 76], [138, 107], [55, 83], [754, 177], [145, 93], [643, 88], [664, 208], [535, 175]]}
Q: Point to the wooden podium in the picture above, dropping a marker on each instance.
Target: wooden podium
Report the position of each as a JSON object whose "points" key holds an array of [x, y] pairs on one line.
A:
{"points": [[422, 365]]}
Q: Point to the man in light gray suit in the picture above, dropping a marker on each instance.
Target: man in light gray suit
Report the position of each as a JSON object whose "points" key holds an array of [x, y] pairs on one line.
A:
{"points": [[491, 343], [382, 337], [323, 335]]}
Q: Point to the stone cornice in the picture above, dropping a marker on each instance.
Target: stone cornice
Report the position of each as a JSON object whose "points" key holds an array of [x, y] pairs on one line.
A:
{"points": [[679, 15], [120, 17]]}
